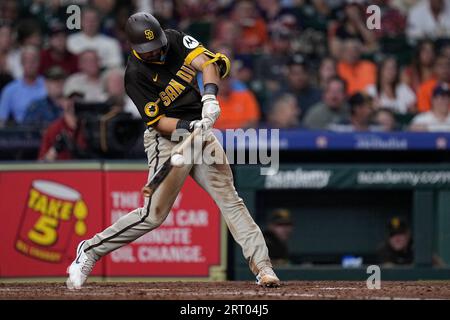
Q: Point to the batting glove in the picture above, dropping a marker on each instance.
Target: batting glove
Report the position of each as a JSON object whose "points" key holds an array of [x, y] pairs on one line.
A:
{"points": [[210, 111]]}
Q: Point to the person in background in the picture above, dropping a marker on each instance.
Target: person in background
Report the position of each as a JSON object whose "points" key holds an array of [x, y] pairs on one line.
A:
{"points": [[397, 249], [113, 81], [429, 19], [57, 54], [284, 113], [18, 94], [42, 112], [300, 84], [28, 34], [270, 67], [361, 111], [5, 75], [385, 119], [442, 75], [352, 26], [332, 109], [279, 230], [240, 109], [327, 70], [108, 49], [253, 33], [64, 139], [389, 92], [393, 21], [438, 118], [88, 80], [421, 68], [445, 50], [6, 53], [358, 73]]}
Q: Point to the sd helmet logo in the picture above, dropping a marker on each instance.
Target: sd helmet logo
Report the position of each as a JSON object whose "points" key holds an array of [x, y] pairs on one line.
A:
{"points": [[151, 109], [149, 34]]}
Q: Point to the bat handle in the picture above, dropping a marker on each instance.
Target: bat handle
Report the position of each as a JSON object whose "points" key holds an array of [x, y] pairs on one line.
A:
{"points": [[186, 142]]}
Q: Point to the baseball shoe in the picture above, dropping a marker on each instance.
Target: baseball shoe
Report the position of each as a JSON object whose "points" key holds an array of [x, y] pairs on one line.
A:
{"points": [[267, 278], [80, 268]]}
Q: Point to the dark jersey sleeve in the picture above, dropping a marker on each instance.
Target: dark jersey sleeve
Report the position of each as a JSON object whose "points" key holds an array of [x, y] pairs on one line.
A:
{"points": [[144, 96], [187, 46], [190, 48]]}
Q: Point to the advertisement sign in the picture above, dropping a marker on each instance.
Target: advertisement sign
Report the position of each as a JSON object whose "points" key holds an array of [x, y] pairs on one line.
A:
{"points": [[45, 214], [187, 244]]}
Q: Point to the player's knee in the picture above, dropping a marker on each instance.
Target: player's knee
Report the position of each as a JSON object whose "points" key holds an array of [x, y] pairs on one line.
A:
{"points": [[157, 216]]}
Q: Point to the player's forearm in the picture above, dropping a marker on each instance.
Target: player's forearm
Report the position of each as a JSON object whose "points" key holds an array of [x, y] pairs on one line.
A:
{"points": [[211, 74], [166, 125], [210, 70]]}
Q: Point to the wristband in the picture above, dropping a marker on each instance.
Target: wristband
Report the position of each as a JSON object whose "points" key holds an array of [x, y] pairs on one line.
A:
{"points": [[184, 124], [211, 88]]}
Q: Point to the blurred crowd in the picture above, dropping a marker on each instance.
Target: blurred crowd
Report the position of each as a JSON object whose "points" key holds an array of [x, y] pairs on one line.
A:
{"points": [[310, 64]]}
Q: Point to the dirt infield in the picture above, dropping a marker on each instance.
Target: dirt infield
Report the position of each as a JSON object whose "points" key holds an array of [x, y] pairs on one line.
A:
{"points": [[228, 290]]}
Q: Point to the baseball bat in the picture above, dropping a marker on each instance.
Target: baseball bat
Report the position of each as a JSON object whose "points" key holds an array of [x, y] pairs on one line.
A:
{"points": [[166, 167]]}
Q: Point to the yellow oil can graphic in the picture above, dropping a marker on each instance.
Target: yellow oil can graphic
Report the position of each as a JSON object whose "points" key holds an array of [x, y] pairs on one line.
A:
{"points": [[53, 212]]}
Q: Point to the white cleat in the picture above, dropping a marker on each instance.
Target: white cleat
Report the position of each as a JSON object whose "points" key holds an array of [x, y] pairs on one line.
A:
{"points": [[80, 269], [267, 278]]}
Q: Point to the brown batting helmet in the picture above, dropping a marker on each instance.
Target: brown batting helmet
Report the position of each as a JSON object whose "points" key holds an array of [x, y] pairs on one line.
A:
{"points": [[145, 33]]}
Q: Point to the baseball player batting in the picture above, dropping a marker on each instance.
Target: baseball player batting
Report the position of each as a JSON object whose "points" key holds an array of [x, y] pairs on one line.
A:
{"points": [[161, 80]]}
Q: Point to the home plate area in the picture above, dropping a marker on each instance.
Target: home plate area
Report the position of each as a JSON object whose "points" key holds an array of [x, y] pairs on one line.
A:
{"points": [[227, 290]]}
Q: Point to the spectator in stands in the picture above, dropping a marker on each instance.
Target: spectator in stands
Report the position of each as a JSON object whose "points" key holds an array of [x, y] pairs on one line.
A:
{"points": [[385, 119], [240, 109], [226, 33], [5, 76], [421, 68], [64, 139], [352, 26], [438, 118], [358, 73], [445, 50], [9, 11], [425, 91], [243, 69], [332, 108], [113, 80], [57, 54], [88, 80], [28, 34], [404, 5], [253, 30], [300, 84], [361, 112], [327, 70], [42, 112], [270, 67], [44, 11], [118, 29], [278, 16], [393, 22], [279, 230], [397, 248], [108, 49], [284, 113], [6, 52], [18, 94], [429, 19], [389, 92]]}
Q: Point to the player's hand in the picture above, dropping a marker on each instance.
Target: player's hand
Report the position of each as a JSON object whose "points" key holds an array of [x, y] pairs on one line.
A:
{"points": [[205, 124], [210, 111]]}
